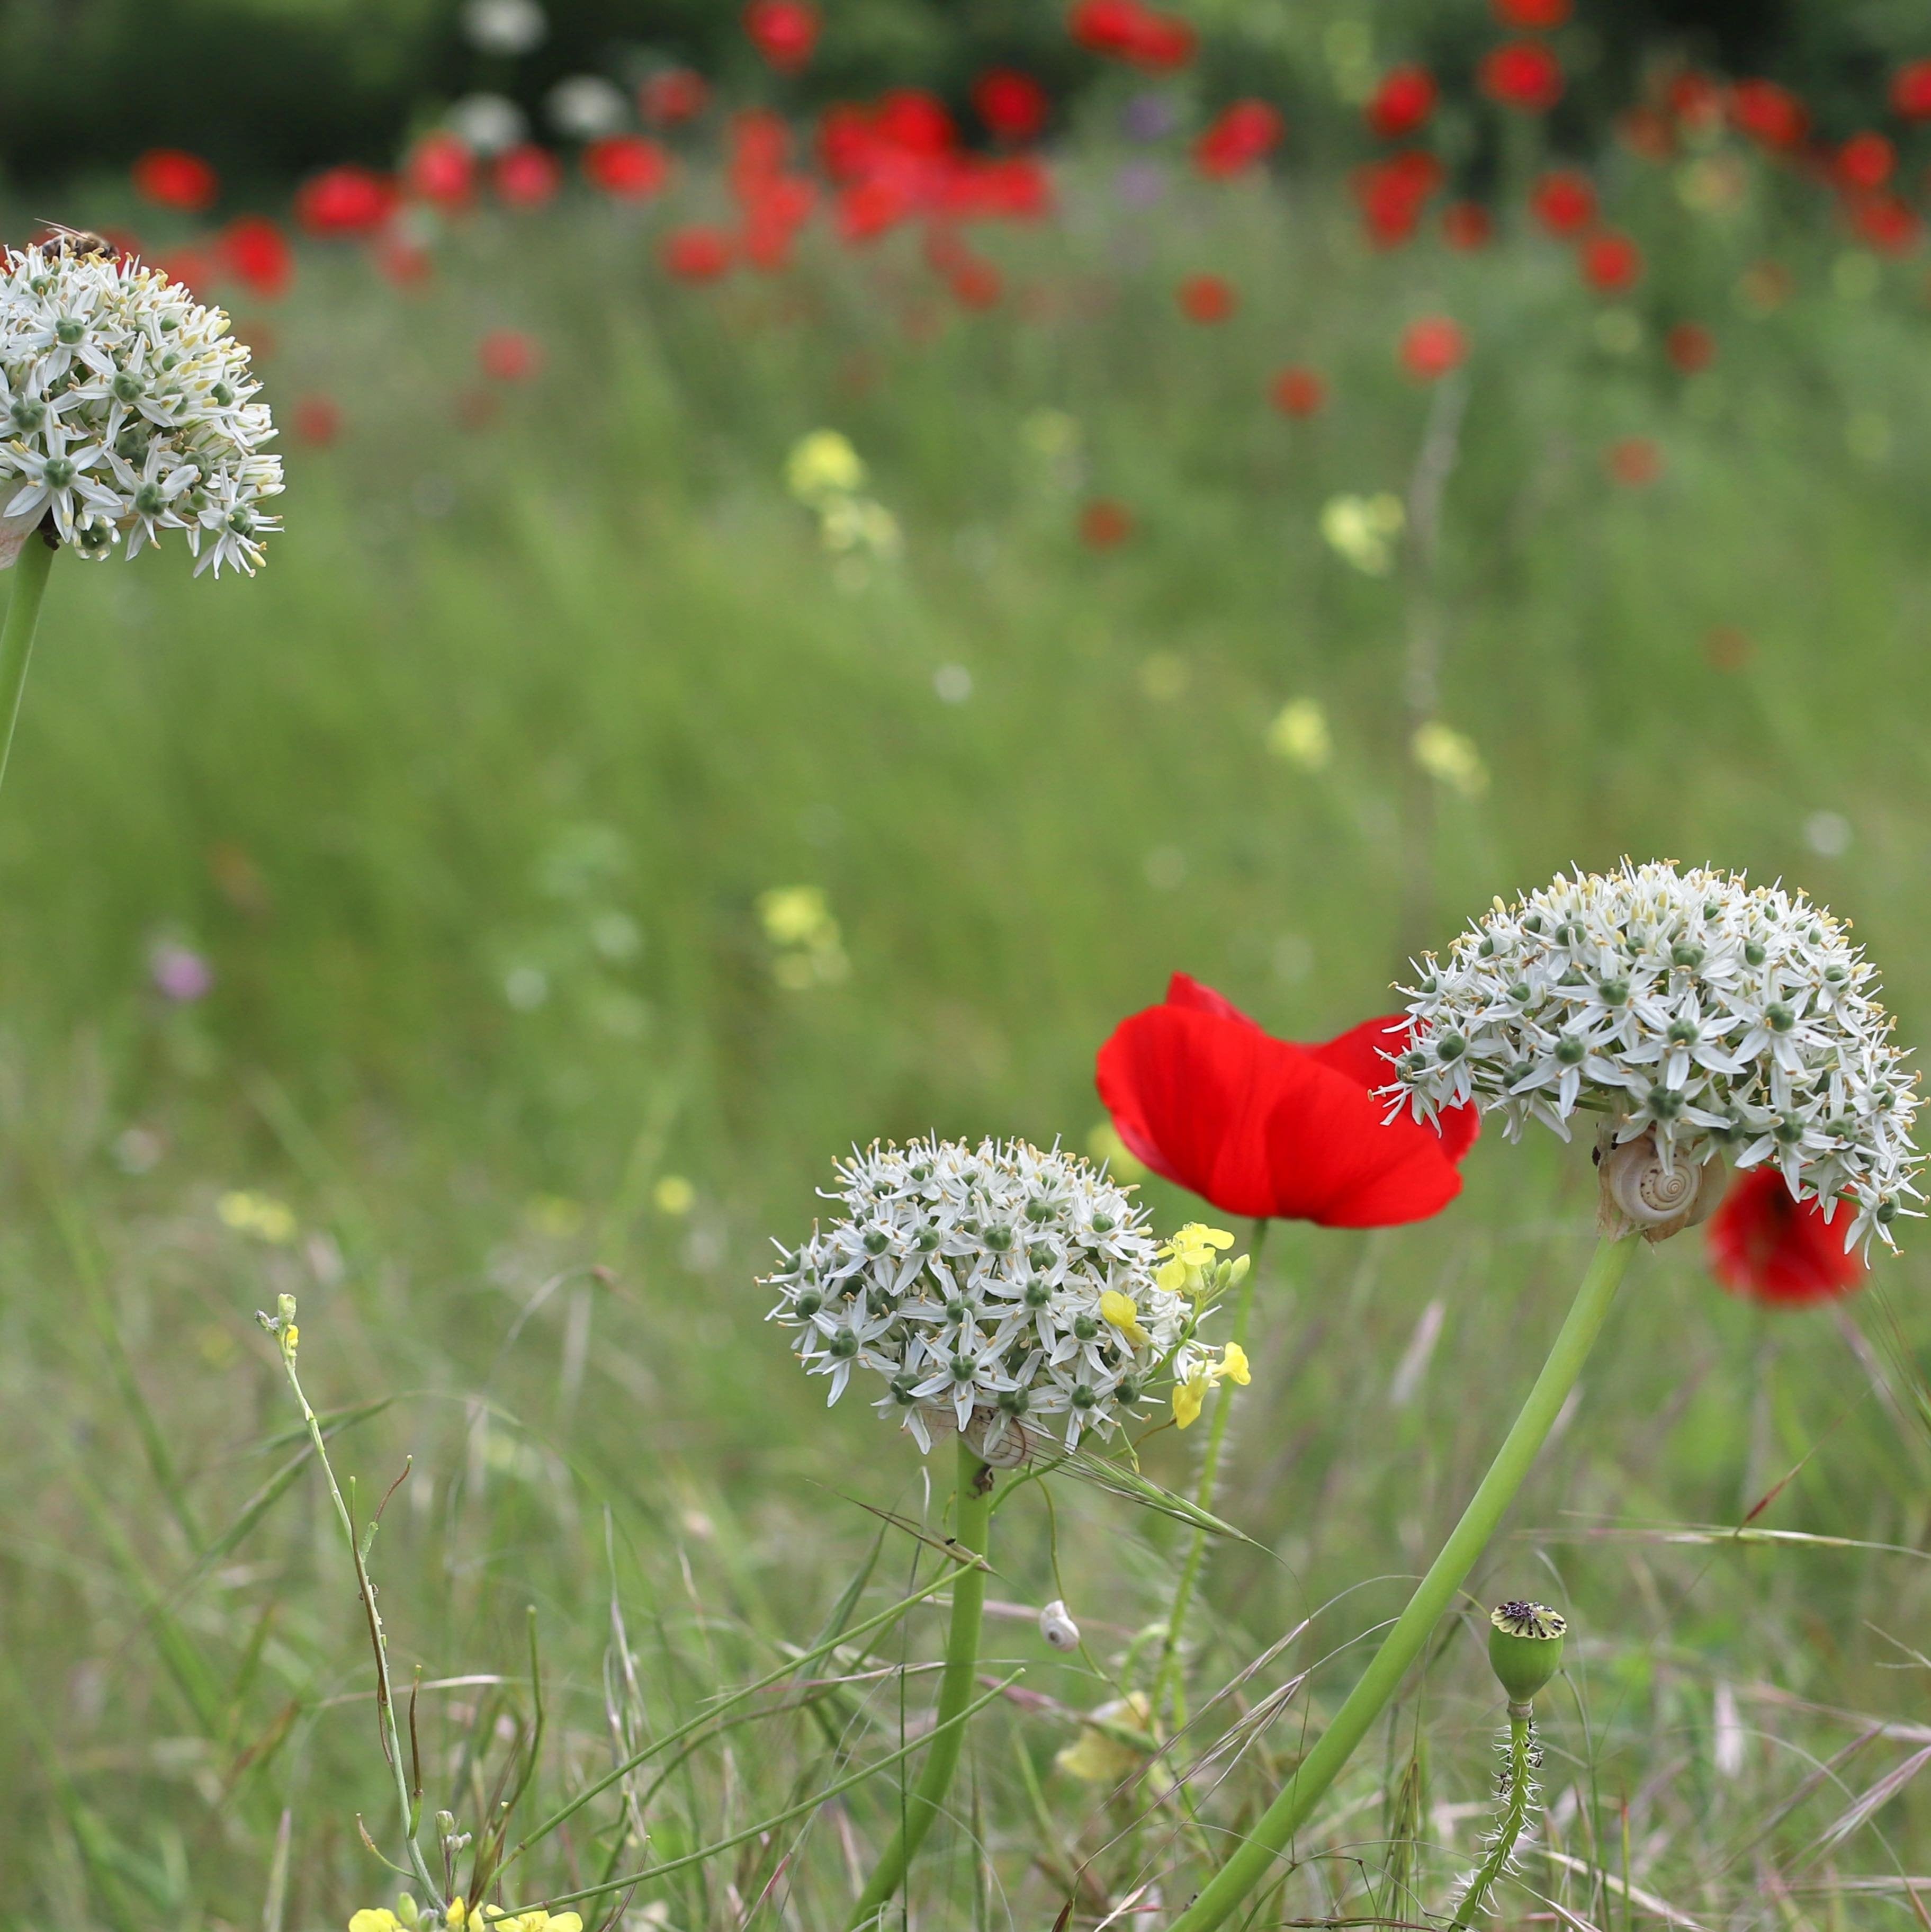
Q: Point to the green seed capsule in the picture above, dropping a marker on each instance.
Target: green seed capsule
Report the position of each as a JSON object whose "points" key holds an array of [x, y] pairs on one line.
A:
{"points": [[1525, 1647]]}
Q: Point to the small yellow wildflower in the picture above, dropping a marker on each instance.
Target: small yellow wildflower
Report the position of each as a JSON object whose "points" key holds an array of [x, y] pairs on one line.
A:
{"points": [[1363, 530], [260, 1215], [376, 1918], [457, 1916], [1119, 1310], [1189, 1255], [673, 1195], [822, 466], [1299, 734], [533, 1921], [796, 915], [1103, 1753], [1190, 1395], [1450, 758]]}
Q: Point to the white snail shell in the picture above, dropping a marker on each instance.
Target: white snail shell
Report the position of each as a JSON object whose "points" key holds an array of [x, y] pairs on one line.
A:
{"points": [[1640, 1194], [1057, 1628]]}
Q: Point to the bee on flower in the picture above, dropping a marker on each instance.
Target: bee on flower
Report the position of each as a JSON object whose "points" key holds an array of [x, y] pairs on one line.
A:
{"points": [[995, 1289]]}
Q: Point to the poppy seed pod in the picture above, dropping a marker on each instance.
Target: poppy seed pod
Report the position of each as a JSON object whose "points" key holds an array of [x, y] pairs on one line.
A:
{"points": [[1525, 1647]]}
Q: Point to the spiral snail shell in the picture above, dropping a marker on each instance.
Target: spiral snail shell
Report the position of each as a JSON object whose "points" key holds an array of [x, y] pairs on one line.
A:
{"points": [[1640, 1194]]}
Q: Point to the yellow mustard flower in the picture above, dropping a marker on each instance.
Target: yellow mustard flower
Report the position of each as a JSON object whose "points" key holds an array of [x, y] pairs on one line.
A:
{"points": [[1189, 1255], [1450, 758], [260, 1215], [823, 465], [1103, 1752], [1120, 1311], [1299, 734], [533, 1921], [1190, 1395], [375, 1918]]}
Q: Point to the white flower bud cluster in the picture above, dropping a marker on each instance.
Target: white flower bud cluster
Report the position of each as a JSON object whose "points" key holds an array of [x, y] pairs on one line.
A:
{"points": [[1718, 1017], [126, 408], [985, 1284]]}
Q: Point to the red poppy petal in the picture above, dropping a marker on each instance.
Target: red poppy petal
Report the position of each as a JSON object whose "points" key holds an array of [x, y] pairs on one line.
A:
{"points": [[1360, 1052], [1762, 1243], [1183, 990]]}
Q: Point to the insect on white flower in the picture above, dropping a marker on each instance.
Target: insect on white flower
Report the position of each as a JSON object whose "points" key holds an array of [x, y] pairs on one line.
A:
{"points": [[126, 410], [985, 1284], [1717, 1017]]}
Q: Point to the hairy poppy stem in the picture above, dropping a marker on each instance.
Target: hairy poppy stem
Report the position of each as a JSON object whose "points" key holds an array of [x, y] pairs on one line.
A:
{"points": [[972, 1520], [1272, 1833], [16, 633], [1169, 1686]]}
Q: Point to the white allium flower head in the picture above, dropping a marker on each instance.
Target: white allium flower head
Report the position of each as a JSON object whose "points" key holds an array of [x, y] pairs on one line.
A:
{"points": [[985, 1284], [1721, 1018], [126, 409], [505, 26]]}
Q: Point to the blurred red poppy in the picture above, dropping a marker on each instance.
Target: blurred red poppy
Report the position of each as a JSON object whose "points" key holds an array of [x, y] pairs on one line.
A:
{"points": [[1260, 1126], [257, 254], [1104, 524], [1564, 202], [318, 420], [785, 32], [696, 253], [672, 95], [1645, 130], [976, 282], [627, 167], [441, 170], [1610, 262], [1467, 224], [171, 178], [196, 269], [1523, 75], [1402, 103], [1207, 299], [1911, 90], [509, 355], [1244, 132], [1690, 347], [345, 200], [1770, 115], [401, 259], [1125, 30], [1633, 461], [1865, 161], [1696, 101], [1532, 16], [1012, 106], [1297, 392], [1782, 1252], [527, 176], [1887, 222], [1433, 345], [1393, 193]]}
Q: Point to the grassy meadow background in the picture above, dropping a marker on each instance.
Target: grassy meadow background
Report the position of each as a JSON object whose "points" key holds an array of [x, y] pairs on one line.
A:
{"points": [[545, 703]]}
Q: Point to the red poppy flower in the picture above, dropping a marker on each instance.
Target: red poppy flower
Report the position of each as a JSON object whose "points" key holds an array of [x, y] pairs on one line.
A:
{"points": [[1611, 262], [696, 253], [1887, 222], [1762, 1244], [1911, 90], [1532, 16], [1127, 30], [627, 167], [509, 355], [1865, 161], [1259, 1127], [784, 31], [1633, 461], [527, 176], [1433, 345], [1770, 115], [1402, 103], [1392, 194], [1244, 132], [1467, 224], [440, 170], [1690, 347], [318, 420], [1564, 202], [1298, 392], [1207, 299], [1523, 75], [673, 95], [171, 178], [1104, 524], [346, 200], [1013, 106], [257, 254]]}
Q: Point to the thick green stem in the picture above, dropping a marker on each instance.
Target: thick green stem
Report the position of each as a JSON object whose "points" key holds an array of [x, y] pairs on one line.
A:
{"points": [[1450, 1570], [1169, 1685], [16, 633], [1515, 1816], [973, 1517]]}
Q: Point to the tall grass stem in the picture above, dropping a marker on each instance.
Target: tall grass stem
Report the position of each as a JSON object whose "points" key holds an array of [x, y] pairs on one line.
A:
{"points": [[16, 634], [972, 1521], [1272, 1833]]}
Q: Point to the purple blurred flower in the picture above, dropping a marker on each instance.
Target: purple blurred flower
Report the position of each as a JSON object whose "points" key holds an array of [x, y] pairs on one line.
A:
{"points": [[1150, 117], [179, 974], [1140, 184]]}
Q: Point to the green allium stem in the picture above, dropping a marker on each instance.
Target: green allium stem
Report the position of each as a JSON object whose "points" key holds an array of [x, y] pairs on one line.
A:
{"points": [[16, 633], [1250, 1863], [1169, 1686], [972, 1521], [1515, 1816]]}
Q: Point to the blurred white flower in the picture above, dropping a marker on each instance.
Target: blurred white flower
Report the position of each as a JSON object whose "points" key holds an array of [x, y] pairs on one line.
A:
{"points": [[1363, 530], [1828, 834], [585, 106], [504, 26], [487, 123]]}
